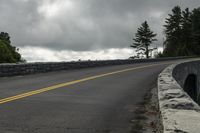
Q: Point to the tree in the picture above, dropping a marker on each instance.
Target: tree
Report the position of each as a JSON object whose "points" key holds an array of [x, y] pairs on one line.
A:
{"points": [[143, 39], [173, 32], [186, 31], [195, 17], [5, 37], [182, 32], [8, 53]]}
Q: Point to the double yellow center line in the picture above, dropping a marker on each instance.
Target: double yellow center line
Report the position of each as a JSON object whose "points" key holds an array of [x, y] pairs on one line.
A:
{"points": [[31, 93]]}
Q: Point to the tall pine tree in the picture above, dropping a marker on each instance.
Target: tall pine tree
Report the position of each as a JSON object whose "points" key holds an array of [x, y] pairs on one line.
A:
{"points": [[173, 32], [182, 32], [186, 38], [143, 39], [196, 30]]}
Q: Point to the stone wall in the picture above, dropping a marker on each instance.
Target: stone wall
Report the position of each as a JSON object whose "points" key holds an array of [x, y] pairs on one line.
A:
{"points": [[179, 110], [31, 68]]}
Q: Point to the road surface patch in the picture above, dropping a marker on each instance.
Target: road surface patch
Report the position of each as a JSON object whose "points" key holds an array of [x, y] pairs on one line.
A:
{"points": [[42, 90]]}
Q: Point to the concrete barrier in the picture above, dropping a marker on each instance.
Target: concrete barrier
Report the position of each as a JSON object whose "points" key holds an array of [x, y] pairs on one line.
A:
{"points": [[31, 68], [178, 96]]}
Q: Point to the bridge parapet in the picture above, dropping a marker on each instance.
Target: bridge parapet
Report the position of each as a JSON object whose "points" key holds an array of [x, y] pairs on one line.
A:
{"points": [[178, 95], [31, 68]]}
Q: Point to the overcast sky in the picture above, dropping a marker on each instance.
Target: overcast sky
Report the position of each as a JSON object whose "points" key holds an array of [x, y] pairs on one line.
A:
{"points": [[63, 30]]}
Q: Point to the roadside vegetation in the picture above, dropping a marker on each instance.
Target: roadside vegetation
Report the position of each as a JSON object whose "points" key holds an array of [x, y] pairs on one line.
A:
{"points": [[182, 35], [8, 53], [182, 31]]}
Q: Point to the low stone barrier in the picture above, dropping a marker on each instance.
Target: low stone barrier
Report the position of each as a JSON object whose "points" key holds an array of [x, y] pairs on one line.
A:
{"points": [[178, 96], [31, 68]]}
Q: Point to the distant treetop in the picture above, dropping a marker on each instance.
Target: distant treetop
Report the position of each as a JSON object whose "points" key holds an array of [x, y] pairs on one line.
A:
{"points": [[8, 53]]}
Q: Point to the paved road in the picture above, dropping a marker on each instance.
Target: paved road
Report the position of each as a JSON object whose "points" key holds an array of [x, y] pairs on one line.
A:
{"points": [[93, 100]]}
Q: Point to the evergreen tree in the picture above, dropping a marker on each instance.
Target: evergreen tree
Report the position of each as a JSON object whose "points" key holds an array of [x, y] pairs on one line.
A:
{"points": [[196, 31], [186, 38], [143, 39], [173, 32], [8, 53], [182, 31]]}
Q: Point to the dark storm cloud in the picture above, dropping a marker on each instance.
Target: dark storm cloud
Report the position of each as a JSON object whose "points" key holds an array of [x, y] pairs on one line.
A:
{"points": [[82, 25]]}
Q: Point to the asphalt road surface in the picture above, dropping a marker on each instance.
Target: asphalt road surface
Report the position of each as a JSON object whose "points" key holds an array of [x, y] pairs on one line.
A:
{"points": [[92, 100]]}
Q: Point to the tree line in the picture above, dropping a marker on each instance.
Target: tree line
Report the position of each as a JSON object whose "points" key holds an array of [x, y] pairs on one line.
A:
{"points": [[8, 53], [182, 30], [182, 34]]}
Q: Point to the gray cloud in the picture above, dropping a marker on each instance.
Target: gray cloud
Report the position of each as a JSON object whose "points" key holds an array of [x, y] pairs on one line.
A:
{"points": [[82, 25]]}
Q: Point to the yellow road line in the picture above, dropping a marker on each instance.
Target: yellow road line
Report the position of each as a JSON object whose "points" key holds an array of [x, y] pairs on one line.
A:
{"points": [[27, 94]]}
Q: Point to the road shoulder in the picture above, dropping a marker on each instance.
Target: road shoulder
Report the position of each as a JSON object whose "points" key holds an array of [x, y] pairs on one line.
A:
{"points": [[147, 118]]}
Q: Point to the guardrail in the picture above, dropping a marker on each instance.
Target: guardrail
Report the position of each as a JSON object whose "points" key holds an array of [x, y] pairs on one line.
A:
{"points": [[178, 96], [31, 68]]}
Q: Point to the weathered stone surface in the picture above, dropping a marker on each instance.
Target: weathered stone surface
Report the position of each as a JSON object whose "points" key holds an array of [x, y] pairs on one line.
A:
{"points": [[179, 113]]}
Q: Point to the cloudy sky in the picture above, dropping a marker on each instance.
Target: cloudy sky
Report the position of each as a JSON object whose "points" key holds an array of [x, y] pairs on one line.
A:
{"points": [[64, 30]]}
